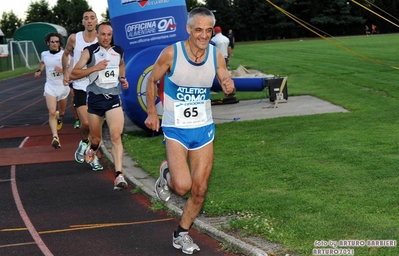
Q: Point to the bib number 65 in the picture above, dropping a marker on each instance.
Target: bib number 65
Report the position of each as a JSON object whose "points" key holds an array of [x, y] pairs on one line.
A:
{"points": [[190, 112]]}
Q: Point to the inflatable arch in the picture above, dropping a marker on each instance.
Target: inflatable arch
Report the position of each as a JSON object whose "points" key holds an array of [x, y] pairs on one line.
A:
{"points": [[143, 28]]}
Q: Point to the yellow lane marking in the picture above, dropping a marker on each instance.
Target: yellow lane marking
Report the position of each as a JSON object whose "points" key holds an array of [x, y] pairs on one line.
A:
{"points": [[88, 226]]}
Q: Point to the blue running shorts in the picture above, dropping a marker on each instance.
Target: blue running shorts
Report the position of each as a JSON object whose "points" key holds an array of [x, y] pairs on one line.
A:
{"points": [[192, 138]]}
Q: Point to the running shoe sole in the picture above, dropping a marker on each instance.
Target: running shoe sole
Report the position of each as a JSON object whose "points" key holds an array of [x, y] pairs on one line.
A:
{"points": [[56, 143], [159, 182]]}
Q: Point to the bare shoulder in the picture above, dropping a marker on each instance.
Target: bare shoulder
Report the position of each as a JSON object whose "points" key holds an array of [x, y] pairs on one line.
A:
{"points": [[72, 39], [168, 51], [70, 43], [166, 56]]}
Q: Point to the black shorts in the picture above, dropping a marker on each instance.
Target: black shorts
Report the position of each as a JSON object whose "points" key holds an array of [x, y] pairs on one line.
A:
{"points": [[79, 98], [98, 104]]}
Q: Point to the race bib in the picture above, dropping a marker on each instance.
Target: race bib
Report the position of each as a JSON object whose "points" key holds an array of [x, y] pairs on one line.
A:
{"points": [[190, 113], [54, 75], [109, 75]]}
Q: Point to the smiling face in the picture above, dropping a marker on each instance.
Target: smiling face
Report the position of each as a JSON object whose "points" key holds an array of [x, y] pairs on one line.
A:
{"points": [[200, 31], [89, 21]]}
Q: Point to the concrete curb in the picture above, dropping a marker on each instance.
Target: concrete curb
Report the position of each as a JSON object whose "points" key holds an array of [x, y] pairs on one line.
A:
{"points": [[242, 111]]}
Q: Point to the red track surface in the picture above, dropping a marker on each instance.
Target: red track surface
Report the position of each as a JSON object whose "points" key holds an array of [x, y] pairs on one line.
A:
{"points": [[51, 205]]}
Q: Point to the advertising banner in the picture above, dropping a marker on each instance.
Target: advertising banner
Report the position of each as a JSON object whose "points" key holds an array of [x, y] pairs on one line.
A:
{"points": [[3, 50], [143, 28]]}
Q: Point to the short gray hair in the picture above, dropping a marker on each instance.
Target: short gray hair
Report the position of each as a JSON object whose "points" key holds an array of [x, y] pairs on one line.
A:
{"points": [[199, 11]]}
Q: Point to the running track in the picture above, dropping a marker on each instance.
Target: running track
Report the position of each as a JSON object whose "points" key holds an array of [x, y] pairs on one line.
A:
{"points": [[51, 205]]}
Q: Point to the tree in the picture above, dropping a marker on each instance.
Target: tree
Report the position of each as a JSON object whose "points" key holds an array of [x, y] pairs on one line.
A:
{"points": [[9, 23], [224, 14], [301, 9], [191, 4], [38, 12], [386, 10], [69, 14], [250, 19], [335, 17], [105, 16]]}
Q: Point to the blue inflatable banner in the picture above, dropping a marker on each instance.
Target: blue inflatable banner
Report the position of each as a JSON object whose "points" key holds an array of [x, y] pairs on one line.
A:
{"points": [[143, 28]]}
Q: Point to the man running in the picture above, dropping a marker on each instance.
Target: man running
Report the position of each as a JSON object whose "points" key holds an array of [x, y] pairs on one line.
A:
{"points": [[54, 89], [104, 64], [75, 45], [188, 68]]}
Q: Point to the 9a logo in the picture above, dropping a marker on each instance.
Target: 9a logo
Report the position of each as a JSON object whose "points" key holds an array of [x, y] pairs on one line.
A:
{"points": [[167, 23]]}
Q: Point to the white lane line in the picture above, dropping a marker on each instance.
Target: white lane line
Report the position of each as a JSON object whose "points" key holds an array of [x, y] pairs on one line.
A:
{"points": [[32, 230]]}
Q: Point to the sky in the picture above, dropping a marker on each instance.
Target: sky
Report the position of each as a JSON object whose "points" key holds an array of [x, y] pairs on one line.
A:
{"points": [[19, 7]]}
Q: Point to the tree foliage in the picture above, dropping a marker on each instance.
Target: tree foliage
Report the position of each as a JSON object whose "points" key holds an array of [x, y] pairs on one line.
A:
{"points": [[105, 16], [249, 19], [39, 12], [191, 4], [335, 17], [9, 23], [260, 20], [69, 14]]}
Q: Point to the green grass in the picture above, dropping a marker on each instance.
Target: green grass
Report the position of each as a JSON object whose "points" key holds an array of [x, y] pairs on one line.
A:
{"points": [[16, 72], [307, 178], [295, 180]]}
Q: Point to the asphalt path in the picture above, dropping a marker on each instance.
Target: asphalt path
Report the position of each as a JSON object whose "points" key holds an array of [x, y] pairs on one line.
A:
{"points": [[51, 205]]}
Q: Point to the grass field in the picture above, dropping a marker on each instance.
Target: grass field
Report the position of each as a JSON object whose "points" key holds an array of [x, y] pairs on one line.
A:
{"points": [[326, 177], [16, 72], [298, 180]]}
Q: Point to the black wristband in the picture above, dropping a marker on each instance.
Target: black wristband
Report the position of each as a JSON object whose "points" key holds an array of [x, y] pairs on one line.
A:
{"points": [[38, 70]]}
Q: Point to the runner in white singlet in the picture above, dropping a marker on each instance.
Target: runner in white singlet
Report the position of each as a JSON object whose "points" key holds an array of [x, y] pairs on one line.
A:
{"points": [[75, 45], [54, 89], [188, 69]]}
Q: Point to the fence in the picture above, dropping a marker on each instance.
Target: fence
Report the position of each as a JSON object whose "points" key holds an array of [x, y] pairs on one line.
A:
{"points": [[21, 54]]}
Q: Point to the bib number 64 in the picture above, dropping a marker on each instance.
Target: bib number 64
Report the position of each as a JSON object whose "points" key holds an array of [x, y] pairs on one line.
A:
{"points": [[109, 73]]}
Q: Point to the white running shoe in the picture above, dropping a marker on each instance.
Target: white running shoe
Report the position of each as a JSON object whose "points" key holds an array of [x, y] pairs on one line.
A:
{"points": [[185, 243], [120, 183], [80, 152], [95, 165], [161, 185]]}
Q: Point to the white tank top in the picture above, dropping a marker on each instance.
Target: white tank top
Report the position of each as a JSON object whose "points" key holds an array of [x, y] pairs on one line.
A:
{"points": [[187, 90], [53, 78], [80, 44]]}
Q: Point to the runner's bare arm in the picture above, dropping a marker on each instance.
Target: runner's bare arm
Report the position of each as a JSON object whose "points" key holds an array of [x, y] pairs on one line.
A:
{"points": [[161, 67], [122, 72], [65, 57], [79, 72]]}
